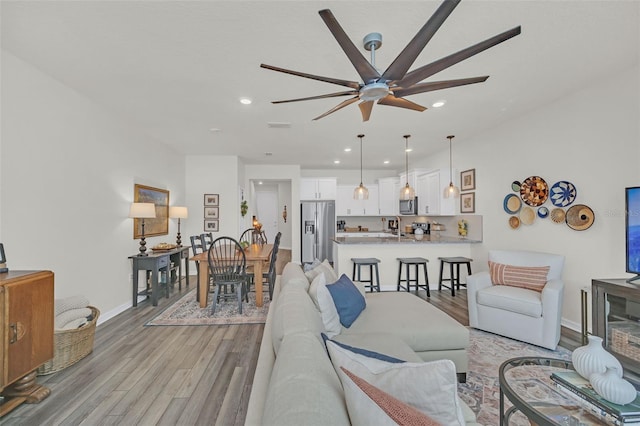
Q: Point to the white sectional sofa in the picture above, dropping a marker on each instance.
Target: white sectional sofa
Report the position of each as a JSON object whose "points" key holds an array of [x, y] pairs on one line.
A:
{"points": [[295, 382]]}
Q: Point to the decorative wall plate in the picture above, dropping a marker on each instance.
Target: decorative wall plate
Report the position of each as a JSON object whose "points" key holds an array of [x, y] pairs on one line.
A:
{"points": [[527, 215], [557, 215], [534, 191], [543, 212], [512, 204], [514, 222], [580, 217], [562, 193], [515, 185]]}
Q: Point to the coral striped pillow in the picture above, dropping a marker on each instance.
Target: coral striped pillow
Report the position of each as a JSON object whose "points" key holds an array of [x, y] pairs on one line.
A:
{"points": [[529, 277]]}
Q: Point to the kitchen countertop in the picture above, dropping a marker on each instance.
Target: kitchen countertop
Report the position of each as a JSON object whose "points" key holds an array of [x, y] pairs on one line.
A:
{"points": [[408, 239]]}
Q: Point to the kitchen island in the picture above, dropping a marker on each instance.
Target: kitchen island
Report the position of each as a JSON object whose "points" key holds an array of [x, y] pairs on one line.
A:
{"points": [[389, 247]]}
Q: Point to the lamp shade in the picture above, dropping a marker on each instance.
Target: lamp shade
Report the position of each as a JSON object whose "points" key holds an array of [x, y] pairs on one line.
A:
{"points": [[178, 212], [142, 210]]}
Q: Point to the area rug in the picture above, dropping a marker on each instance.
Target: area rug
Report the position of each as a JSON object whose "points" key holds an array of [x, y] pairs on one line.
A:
{"points": [[187, 311], [487, 352]]}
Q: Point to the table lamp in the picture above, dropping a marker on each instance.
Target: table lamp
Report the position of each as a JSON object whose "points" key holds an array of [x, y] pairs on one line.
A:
{"points": [[142, 211], [178, 212]]}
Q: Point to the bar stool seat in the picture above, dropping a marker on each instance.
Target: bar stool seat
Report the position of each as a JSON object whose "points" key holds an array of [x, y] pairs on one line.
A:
{"points": [[454, 274], [408, 262], [372, 263]]}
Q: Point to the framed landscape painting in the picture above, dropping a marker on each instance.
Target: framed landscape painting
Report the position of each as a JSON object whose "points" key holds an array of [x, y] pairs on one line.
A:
{"points": [[160, 198]]}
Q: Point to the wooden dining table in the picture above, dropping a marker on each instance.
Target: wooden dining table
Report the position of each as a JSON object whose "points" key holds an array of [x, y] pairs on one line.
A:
{"points": [[256, 255]]}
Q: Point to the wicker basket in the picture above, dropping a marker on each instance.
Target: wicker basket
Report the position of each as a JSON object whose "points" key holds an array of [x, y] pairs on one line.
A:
{"points": [[70, 346], [625, 343]]}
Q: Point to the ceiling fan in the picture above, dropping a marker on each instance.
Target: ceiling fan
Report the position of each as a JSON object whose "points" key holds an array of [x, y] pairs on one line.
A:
{"points": [[396, 82]]}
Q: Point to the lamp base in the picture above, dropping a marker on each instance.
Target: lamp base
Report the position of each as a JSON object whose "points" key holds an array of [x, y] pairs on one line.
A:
{"points": [[179, 240], [143, 247]]}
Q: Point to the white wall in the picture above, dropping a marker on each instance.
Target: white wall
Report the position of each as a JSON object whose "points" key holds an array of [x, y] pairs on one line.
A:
{"points": [[67, 172]]}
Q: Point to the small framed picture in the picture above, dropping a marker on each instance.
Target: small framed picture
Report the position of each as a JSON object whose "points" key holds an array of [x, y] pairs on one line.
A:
{"points": [[468, 180], [211, 199], [468, 202], [211, 225], [211, 213]]}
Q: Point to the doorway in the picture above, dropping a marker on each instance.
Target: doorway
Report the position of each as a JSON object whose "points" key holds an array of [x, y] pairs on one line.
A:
{"points": [[267, 210]]}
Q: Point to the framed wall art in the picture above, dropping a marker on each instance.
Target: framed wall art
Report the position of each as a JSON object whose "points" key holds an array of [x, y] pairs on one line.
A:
{"points": [[160, 224], [211, 213], [211, 225], [468, 202], [212, 200], [468, 180]]}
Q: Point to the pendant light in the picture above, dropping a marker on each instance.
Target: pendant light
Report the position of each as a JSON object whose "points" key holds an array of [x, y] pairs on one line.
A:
{"points": [[361, 192], [407, 192], [451, 191]]}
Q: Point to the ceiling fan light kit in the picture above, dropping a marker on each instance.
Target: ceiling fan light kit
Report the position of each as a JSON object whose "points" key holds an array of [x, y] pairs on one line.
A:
{"points": [[396, 82], [451, 191], [361, 192]]}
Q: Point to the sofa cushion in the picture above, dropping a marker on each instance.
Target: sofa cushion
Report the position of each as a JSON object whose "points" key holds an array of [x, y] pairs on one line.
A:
{"points": [[430, 387], [324, 303], [348, 300], [304, 388], [369, 405], [325, 267], [529, 277], [293, 312], [292, 274], [514, 299], [408, 317]]}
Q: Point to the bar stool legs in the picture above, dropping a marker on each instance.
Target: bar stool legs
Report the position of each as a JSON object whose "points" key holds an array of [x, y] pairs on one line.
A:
{"points": [[408, 262], [454, 274], [372, 263]]}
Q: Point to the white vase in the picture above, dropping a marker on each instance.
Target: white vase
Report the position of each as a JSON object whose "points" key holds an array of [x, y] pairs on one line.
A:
{"points": [[593, 358], [613, 388]]}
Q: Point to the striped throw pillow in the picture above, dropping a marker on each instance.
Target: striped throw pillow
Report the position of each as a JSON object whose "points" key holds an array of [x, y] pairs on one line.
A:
{"points": [[529, 277]]}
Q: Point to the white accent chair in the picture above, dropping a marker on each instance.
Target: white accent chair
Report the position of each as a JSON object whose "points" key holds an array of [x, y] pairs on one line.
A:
{"points": [[519, 313]]}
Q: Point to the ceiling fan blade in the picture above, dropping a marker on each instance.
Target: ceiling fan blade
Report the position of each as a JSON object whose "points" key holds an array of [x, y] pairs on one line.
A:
{"points": [[399, 102], [437, 85], [310, 98], [428, 70], [366, 71], [407, 57], [337, 107], [365, 109], [352, 84]]}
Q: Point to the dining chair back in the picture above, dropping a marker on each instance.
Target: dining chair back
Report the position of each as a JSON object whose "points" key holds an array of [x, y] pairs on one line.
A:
{"points": [[270, 275], [197, 247], [207, 240], [227, 266]]}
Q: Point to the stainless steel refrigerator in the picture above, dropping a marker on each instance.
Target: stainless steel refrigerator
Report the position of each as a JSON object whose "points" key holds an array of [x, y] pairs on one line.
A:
{"points": [[318, 228]]}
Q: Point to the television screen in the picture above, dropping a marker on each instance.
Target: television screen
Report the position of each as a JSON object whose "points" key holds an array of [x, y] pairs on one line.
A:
{"points": [[633, 230]]}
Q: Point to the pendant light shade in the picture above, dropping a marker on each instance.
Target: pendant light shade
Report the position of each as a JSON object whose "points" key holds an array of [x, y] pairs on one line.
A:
{"points": [[451, 191], [361, 192], [407, 192]]}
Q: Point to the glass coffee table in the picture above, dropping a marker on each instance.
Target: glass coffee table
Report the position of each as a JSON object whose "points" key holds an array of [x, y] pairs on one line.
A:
{"points": [[527, 384]]}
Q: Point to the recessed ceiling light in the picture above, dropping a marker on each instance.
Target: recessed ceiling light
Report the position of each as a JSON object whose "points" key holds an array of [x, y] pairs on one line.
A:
{"points": [[245, 101], [214, 130], [439, 103], [386, 161], [259, 182], [347, 150], [336, 161], [408, 150]]}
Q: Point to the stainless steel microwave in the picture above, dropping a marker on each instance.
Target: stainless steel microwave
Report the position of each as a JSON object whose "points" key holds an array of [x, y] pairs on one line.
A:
{"points": [[409, 207]]}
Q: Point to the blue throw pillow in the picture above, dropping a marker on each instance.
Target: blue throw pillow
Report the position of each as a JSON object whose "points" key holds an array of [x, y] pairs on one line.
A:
{"points": [[361, 351], [348, 300]]}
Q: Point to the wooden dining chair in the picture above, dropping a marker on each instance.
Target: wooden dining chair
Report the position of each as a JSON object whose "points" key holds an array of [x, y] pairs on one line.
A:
{"points": [[197, 247], [269, 277], [227, 266]]}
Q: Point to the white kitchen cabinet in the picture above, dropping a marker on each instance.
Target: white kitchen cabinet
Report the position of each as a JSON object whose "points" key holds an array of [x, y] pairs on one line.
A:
{"points": [[430, 190], [318, 188], [388, 196], [347, 206], [412, 178]]}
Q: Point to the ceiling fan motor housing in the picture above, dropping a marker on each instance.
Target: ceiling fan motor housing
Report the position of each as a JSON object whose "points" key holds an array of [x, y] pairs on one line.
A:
{"points": [[374, 91]]}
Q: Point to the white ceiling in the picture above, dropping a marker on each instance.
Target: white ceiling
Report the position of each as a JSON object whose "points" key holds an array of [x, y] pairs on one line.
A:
{"points": [[176, 69]]}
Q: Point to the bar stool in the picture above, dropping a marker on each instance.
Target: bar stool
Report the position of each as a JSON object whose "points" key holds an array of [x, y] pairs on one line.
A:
{"points": [[454, 275], [371, 262], [415, 262]]}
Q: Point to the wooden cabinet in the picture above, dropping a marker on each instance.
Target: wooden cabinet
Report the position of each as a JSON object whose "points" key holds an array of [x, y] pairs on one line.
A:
{"points": [[388, 196], [318, 188], [26, 327], [347, 206]]}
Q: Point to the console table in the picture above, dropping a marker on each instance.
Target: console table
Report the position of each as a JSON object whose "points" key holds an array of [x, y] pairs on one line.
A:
{"points": [[153, 264], [26, 335]]}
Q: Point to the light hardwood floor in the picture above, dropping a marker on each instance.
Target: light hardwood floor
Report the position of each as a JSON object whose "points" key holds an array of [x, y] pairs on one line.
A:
{"points": [[194, 375]]}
